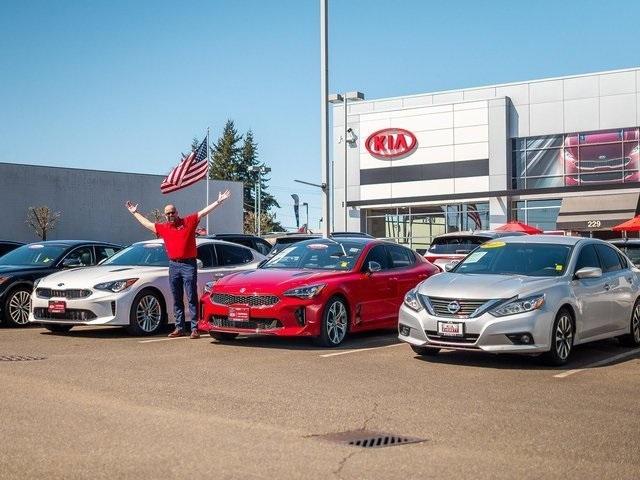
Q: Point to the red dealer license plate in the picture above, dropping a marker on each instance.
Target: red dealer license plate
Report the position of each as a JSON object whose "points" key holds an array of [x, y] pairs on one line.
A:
{"points": [[239, 314], [451, 329], [57, 306]]}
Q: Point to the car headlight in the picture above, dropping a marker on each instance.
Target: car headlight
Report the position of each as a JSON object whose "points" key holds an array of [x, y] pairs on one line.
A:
{"points": [[307, 291], [412, 301], [208, 287], [519, 305], [116, 286]]}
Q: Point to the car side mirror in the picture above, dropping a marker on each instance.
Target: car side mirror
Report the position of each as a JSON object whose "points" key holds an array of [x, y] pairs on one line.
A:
{"points": [[451, 265], [71, 263], [199, 263], [589, 272], [373, 267]]}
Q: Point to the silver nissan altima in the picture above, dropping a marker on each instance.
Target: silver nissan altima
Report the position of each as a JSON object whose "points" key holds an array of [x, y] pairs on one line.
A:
{"points": [[532, 294]]}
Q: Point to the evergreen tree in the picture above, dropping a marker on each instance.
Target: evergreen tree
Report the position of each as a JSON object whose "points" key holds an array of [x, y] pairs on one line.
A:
{"points": [[225, 153]]}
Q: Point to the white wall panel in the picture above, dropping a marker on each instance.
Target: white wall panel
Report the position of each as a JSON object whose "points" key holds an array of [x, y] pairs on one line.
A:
{"points": [[581, 87], [435, 138], [360, 107], [471, 184], [469, 105], [580, 115], [466, 118], [618, 111], [418, 101], [545, 118], [617, 83], [480, 94], [372, 192], [422, 188], [519, 94], [478, 133], [471, 151], [427, 155], [420, 123], [519, 121], [545, 92], [394, 104], [450, 97]]}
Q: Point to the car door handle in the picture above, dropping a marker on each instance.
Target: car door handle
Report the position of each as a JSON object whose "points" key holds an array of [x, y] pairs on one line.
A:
{"points": [[607, 287], [218, 275]]}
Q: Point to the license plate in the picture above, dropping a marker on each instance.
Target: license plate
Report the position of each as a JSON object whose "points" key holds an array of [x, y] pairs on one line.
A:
{"points": [[57, 306], [239, 314], [451, 329]]}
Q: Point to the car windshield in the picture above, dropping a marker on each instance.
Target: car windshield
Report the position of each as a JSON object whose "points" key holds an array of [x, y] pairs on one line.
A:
{"points": [[318, 255], [35, 254], [461, 244], [529, 259], [140, 254]]}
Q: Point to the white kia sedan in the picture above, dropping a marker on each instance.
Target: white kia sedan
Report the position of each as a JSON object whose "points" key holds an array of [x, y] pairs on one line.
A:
{"points": [[131, 288], [532, 294]]}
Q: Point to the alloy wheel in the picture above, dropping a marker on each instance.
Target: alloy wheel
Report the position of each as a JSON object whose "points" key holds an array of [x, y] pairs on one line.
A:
{"points": [[564, 337], [337, 322], [635, 323], [148, 313], [19, 306]]}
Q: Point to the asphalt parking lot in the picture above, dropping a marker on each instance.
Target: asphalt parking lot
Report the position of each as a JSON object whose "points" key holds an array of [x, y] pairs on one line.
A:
{"points": [[101, 404]]}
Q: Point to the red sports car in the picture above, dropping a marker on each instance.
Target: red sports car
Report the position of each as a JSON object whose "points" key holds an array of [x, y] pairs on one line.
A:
{"points": [[322, 288]]}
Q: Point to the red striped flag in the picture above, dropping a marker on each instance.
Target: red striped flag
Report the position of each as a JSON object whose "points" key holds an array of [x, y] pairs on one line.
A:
{"points": [[192, 168]]}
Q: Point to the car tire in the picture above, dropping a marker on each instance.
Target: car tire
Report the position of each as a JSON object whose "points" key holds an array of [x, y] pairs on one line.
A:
{"points": [[148, 313], [425, 351], [16, 307], [562, 335], [223, 336], [53, 328], [632, 339], [335, 323]]}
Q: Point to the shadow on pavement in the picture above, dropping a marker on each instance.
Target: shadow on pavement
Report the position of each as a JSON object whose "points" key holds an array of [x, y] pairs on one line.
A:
{"points": [[360, 340], [582, 356], [104, 332]]}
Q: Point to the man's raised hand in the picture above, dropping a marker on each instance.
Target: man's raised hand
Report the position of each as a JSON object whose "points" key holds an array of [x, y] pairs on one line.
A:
{"points": [[222, 196], [131, 207]]}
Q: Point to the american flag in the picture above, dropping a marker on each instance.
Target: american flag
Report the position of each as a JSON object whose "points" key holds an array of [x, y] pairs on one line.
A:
{"points": [[192, 168], [472, 213]]}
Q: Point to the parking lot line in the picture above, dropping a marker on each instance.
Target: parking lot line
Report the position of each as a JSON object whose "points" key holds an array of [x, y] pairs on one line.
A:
{"points": [[598, 363], [169, 339], [346, 352]]}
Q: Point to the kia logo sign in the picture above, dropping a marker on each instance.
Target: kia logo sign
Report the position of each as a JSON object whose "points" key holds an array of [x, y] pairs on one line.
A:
{"points": [[391, 143]]}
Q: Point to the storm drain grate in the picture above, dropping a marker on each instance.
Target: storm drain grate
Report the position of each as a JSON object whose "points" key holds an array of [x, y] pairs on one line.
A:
{"points": [[366, 439], [20, 358]]}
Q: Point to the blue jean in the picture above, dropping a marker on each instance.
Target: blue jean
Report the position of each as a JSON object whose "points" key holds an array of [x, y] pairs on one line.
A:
{"points": [[183, 278]]}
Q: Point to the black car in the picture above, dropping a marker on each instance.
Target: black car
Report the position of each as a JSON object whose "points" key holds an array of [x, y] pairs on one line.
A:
{"points": [[284, 241], [7, 245], [350, 235], [22, 267], [260, 245]]}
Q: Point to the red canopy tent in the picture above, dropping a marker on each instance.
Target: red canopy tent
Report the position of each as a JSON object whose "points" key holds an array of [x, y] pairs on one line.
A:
{"points": [[632, 225], [515, 226]]}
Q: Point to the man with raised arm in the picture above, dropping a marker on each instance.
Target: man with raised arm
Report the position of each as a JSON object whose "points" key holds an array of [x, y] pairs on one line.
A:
{"points": [[179, 235]]}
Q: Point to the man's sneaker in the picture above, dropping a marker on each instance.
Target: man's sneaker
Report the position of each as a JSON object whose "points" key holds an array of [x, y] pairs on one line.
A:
{"points": [[195, 334], [176, 333]]}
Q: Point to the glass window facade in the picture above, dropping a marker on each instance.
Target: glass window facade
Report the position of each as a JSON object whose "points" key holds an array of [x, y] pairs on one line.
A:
{"points": [[542, 214], [586, 158], [416, 227]]}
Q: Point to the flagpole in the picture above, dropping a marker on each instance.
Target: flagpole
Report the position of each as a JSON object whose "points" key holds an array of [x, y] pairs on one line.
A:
{"points": [[208, 167]]}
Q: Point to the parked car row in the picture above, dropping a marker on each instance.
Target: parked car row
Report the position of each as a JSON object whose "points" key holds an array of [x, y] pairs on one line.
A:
{"points": [[511, 294]]}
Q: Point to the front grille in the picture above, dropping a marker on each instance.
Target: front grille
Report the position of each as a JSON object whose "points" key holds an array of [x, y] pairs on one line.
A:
{"points": [[71, 293], [467, 307], [605, 163], [467, 339], [41, 313], [256, 324], [251, 300]]}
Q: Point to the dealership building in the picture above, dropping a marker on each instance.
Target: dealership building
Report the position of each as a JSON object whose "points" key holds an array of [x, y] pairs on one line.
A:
{"points": [[557, 153]]}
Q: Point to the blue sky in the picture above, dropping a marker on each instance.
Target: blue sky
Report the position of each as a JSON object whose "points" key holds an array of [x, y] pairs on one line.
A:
{"points": [[125, 85]]}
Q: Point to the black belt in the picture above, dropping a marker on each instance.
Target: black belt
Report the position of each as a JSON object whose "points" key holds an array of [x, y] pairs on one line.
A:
{"points": [[183, 260]]}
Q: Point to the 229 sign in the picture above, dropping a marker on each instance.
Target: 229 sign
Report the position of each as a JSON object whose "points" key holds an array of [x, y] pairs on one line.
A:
{"points": [[594, 223]]}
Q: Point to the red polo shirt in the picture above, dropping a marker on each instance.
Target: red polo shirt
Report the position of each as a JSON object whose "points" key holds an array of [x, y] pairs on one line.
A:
{"points": [[179, 239]]}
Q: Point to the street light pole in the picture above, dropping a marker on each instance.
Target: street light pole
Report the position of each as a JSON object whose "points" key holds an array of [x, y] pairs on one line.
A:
{"points": [[324, 112], [344, 99]]}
